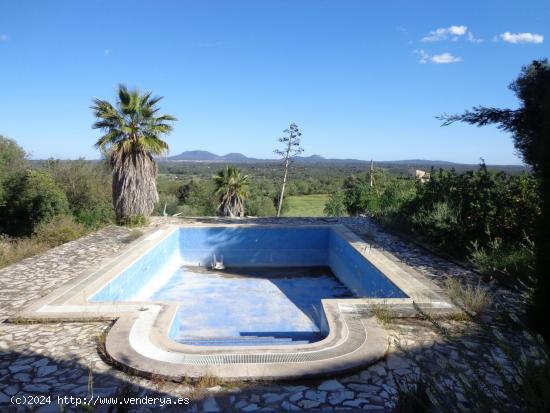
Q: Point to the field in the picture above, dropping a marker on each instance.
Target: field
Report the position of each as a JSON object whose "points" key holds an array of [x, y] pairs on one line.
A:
{"points": [[306, 205]]}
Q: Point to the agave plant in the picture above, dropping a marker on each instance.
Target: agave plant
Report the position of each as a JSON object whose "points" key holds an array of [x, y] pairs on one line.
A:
{"points": [[232, 190], [133, 131]]}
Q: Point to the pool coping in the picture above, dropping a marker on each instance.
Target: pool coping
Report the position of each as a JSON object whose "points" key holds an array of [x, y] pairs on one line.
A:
{"points": [[139, 339]]}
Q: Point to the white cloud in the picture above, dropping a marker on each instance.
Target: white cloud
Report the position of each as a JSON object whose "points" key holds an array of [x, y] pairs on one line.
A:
{"points": [[453, 33], [443, 58], [521, 37], [444, 33], [473, 39], [3, 38], [423, 55]]}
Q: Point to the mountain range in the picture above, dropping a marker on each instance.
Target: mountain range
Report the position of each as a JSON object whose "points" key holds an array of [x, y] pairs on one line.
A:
{"points": [[205, 156]]}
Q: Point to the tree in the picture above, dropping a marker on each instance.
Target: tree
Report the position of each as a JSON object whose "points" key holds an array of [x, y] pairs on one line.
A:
{"points": [[260, 206], [32, 197], [335, 206], [133, 131], [199, 197], [530, 129], [86, 185], [359, 196], [12, 159], [291, 148], [232, 190]]}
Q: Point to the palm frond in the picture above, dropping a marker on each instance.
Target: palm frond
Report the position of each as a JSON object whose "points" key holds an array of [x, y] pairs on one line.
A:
{"points": [[132, 125]]}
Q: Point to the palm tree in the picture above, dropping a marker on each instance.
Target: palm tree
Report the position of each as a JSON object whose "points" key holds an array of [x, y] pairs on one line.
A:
{"points": [[132, 136], [232, 189]]}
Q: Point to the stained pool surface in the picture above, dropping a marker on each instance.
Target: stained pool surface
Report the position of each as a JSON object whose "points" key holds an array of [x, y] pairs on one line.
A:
{"points": [[269, 293], [250, 306]]}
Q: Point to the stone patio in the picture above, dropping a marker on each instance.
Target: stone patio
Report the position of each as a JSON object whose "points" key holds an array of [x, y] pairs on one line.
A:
{"points": [[62, 359]]}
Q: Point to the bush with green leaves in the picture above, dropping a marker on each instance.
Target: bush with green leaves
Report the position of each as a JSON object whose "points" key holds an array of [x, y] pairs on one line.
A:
{"points": [[88, 189], [487, 217], [384, 197], [454, 210], [260, 206], [31, 197], [335, 206], [168, 204], [59, 230], [12, 160], [497, 257], [199, 197]]}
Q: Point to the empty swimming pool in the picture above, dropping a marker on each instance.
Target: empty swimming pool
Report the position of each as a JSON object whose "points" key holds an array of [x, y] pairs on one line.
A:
{"points": [[268, 291]]}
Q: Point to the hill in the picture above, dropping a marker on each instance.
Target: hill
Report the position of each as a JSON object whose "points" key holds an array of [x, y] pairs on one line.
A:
{"points": [[318, 160]]}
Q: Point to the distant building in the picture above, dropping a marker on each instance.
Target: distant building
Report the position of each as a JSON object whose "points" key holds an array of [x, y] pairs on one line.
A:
{"points": [[421, 175]]}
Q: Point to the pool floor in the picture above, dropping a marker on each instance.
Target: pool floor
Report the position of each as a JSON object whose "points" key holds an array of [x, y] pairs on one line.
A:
{"points": [[247, 306]]}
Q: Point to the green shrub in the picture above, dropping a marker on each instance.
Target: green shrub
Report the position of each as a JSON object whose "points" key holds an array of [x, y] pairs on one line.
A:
{"points": [[453, 210], [474, 299], [133, 221], [439, 223], [199, 196], [384, 198], [59, 230], [12, 160], [133, 235], [87, 186], [508, 260], [32, 197], [260, 206], [168, 201], [335, 206], [360, 197], [96, 216]]}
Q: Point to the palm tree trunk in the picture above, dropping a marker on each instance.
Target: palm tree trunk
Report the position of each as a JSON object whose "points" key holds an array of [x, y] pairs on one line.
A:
{"points": [[134, 185]]}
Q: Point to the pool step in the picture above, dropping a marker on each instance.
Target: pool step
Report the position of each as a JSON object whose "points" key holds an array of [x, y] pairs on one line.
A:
{"points": [[240, 341]]}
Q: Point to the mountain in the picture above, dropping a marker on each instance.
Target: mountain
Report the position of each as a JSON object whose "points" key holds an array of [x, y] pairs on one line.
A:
{"points": [[239, 158], [194, 156], [205, 156]]}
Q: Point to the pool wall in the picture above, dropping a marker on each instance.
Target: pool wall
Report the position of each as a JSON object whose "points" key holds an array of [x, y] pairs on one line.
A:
{"points": [[161, 259], [253, 247]]}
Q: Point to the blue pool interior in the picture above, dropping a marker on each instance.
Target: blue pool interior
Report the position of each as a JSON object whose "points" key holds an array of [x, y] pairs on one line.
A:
{"points": [[270, 292]]}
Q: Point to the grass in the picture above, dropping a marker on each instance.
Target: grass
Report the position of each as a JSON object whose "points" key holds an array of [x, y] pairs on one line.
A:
{"points": [[17, 249], [383, 314], [59, 230], [306, 205], [474, 299], [133, 235]]}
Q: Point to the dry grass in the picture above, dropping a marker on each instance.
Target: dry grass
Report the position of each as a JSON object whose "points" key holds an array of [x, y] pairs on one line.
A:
{"points": [[13, 250], [473, 299], [59, 230], [133, 235], [383, 314]]}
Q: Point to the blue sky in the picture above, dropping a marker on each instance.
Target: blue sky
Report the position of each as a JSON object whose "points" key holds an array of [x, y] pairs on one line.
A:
{"points": [[362, 79]]}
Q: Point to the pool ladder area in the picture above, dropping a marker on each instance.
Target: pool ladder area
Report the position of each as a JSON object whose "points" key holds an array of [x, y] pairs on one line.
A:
{"points": [[217, 264]]}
